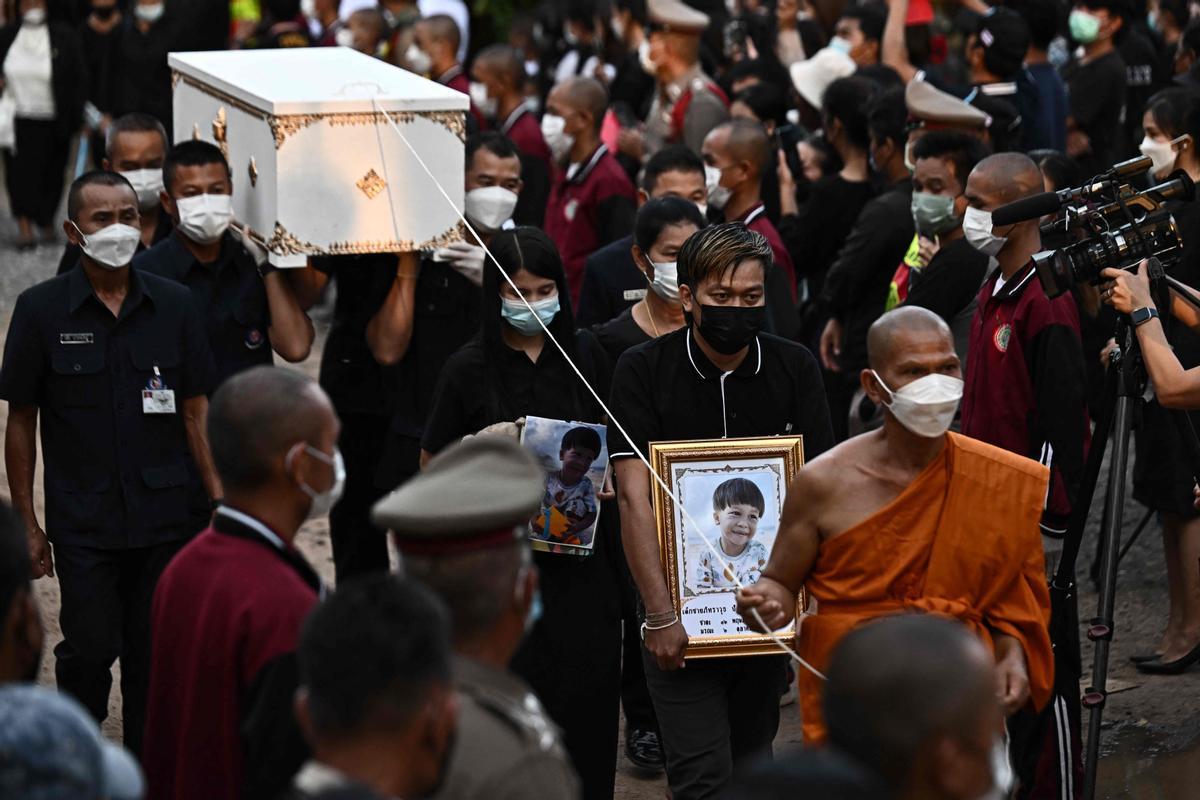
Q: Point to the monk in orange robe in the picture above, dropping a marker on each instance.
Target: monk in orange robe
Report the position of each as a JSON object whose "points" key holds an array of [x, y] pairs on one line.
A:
{"points": [[910, 518]]}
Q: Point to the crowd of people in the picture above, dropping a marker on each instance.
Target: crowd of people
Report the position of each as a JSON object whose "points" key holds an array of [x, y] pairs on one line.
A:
{"points": [[695, 220]]}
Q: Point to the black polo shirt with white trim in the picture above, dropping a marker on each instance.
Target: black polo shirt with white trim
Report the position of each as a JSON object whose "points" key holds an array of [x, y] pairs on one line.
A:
{"points": [[667, 390]]}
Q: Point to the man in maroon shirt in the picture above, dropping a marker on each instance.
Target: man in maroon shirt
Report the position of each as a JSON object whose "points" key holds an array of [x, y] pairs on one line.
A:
{"points": [[229, 608], [498, 80], [438, 38], [592, 202]]}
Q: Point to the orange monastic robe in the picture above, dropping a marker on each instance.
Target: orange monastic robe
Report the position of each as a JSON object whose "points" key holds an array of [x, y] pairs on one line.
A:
{"points": [[962, 541]]}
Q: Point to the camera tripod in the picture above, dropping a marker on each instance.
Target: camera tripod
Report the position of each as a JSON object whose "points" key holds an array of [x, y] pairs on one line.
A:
{"points": [[1125, 383]]}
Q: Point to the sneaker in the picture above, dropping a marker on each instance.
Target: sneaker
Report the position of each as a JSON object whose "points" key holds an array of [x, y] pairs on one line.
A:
{"points": [[644, 750]]}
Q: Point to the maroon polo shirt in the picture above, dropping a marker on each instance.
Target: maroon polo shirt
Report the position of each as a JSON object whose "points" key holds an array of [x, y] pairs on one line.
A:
{"points": [[757, 221], [525, 132], [454, 78], [590, 206]]}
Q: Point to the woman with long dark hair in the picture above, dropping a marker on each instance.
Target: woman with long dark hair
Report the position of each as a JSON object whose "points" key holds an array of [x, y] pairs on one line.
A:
{"points": [[511, 370]]}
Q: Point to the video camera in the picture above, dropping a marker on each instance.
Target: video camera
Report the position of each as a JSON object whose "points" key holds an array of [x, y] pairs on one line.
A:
{"points": [[1114, 224]]}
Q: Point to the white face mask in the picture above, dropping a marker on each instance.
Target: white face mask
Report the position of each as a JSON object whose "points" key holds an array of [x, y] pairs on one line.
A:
{"points": [[205, 217], [666, 280], [344, 37], [112, 247], [149, 13], [147, 183], [926, 406], [841, 45], [618, 27], [977, 228], [703, 209], [34, 17], [418, 60], [308, 8], [718, 195], [1161, 155], [323, 502], [489, 207], [557, 139], [479, 96], [648, 65]]}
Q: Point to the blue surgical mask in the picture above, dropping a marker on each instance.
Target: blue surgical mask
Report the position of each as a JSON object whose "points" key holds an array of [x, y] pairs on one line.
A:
{"points": [[518, 315], [535, 611]]}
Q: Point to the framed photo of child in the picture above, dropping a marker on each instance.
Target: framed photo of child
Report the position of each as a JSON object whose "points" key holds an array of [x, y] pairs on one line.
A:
{"points": [[720, 534], [575, 458]]}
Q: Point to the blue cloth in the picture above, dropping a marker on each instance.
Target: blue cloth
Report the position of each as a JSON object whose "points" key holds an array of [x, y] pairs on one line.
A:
{"points": [[1046, 125]]}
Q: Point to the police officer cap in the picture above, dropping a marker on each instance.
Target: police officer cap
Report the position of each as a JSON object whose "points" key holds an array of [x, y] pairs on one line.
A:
{"points": [[933, 107], [674, 15], [472, 495]]}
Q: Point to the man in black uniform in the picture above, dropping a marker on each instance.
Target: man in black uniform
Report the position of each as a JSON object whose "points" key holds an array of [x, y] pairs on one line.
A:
{"points": [[397, 321], [718, 377], [117, 364], [136, 146], [248, 308]]}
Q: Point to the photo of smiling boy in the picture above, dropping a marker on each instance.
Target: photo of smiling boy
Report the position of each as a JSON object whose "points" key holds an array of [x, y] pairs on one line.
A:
{"points": [[569, 506], [738, 505]]}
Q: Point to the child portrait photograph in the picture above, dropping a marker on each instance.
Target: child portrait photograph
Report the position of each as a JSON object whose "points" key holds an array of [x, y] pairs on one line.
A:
{"points": [[575, 459]]}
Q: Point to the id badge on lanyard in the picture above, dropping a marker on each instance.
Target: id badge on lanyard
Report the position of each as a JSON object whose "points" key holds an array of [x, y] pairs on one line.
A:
{"points": [[156, 397]]}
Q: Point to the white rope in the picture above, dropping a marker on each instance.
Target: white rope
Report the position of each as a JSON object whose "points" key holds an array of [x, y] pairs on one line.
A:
{"points": [[726, 569]]}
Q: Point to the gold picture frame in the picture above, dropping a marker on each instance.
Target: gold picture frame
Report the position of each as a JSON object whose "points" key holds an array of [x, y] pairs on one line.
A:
{"points": [[695, 471]]}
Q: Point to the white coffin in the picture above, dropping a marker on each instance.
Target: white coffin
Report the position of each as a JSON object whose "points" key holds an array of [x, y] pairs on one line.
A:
{"points": [[317, 168]]}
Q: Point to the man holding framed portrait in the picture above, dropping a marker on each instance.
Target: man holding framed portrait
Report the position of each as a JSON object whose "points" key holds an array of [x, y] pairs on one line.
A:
{"points": [[718, 378]]}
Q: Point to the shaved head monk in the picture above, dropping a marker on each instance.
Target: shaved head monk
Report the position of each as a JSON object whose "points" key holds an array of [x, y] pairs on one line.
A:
{"points": [[913, 518]]}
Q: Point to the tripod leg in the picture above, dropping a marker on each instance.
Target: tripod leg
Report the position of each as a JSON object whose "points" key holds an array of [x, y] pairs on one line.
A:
{"points": [[1101, 629]]}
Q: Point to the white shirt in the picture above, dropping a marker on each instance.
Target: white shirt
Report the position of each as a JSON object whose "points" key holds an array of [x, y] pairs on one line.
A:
{"points": [[27, 73]]}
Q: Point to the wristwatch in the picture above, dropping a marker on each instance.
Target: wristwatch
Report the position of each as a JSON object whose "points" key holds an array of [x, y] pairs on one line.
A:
{"points": [[1142, 315]]}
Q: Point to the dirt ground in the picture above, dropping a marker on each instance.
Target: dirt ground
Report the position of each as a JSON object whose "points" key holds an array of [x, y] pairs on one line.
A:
{"points": [[1151, 735]]}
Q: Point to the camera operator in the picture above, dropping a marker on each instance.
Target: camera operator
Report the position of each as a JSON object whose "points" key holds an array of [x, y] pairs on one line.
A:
{"points": [[1163, 476]]}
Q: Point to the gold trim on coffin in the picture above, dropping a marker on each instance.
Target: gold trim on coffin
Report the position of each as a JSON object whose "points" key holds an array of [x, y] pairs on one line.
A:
{"points": [[283, 243], [286, 125]]}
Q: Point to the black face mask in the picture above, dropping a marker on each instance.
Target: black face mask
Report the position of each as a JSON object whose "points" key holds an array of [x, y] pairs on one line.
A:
{"points": [[104, 13], [728, 329]]}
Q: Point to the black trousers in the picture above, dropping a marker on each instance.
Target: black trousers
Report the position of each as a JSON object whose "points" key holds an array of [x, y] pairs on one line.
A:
{"points": [[713, 715], [106, 601], [359, 548], [572, 661], [35, 175]]}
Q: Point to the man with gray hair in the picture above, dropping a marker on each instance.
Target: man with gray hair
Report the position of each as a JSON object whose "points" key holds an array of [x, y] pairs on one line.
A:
{"points": [[460, 526]]}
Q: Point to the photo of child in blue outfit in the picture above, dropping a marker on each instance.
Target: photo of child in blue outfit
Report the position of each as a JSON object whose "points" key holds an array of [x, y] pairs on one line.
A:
{"points": [[738, 505], [569, 508]]}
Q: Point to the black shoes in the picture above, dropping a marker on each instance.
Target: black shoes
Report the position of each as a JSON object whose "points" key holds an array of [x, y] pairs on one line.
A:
{"points": [[1160, 667], [1142, 658], [644, 750]]}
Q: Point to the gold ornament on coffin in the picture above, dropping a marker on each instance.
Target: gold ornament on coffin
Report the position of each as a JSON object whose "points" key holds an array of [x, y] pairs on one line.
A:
{"points": [[220, 130], [283, 243], [371, 184]]}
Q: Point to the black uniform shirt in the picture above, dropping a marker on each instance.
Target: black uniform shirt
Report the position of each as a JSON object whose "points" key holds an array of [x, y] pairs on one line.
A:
{"points": [[350, 375], [230, 295], [115, 477], [620, 334], [465, 403], [667, 390]]}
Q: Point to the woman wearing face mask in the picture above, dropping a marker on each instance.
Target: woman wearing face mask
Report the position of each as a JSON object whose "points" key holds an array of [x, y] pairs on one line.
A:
{"points": [[44, 77], [512, 370], [1162, 476], [663, 225], [144, 83]]}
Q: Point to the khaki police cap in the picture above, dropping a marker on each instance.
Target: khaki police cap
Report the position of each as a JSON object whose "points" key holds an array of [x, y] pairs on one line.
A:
{"points": [[675, 15], [928, 104], [470, 496]]}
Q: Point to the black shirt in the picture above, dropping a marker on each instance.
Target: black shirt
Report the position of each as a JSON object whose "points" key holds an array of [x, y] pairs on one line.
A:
{"points": [[230, 295], [620, 334], [144, 81], [949, 287], [467, 400], [1140, 57], [667, 390], [815, 235], [101, 55], [612, 282], [1096, 91], [115, 477], [1001, 102], [445, 317], [355, 382], [857, 284]]}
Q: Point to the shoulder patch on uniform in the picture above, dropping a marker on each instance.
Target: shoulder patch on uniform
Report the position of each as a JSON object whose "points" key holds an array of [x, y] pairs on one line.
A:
{"points": [[1002, 336]]}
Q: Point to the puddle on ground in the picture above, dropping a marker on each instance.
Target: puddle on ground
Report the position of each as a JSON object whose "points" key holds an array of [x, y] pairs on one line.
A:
{"points": [[1134, 768]]}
